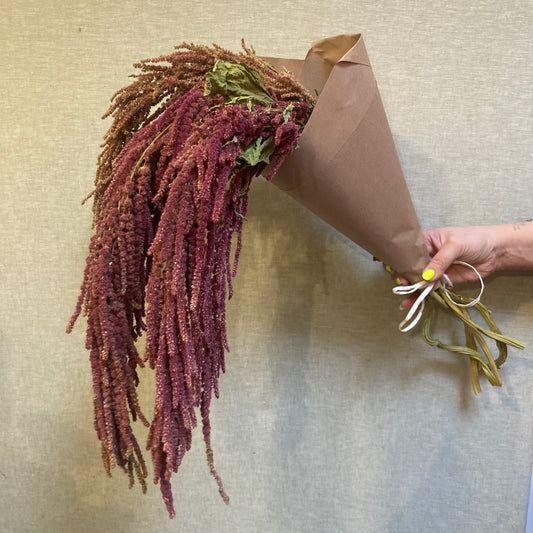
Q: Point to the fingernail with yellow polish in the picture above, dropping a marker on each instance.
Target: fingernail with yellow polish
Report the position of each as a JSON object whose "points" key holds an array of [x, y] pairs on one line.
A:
{"points": [[388, 268], [398, 281], [428, 274]]}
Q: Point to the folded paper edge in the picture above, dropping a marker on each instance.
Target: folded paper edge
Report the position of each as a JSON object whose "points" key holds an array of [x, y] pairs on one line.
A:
{"points": [[314, 71]]}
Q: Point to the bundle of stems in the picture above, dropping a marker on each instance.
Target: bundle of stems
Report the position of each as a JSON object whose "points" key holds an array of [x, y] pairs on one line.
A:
{"points": [[476, 348]]}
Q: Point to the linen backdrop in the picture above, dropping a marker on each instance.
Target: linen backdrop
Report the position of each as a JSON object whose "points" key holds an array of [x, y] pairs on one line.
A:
{"points": [[330, 419]]}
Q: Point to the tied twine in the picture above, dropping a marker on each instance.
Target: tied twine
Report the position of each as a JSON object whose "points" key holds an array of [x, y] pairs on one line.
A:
{"points": [[426, 287], [476, 347]]}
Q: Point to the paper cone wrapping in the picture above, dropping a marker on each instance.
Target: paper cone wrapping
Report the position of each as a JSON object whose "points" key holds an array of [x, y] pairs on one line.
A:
{"points": [[346, 169]]}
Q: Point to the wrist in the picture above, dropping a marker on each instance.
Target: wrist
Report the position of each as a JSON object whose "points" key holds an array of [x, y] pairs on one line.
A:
{"points": [[513, 246]]}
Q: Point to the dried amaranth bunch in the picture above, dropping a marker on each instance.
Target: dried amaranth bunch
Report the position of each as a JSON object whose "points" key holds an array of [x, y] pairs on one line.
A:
{"points": [[171, 192]]}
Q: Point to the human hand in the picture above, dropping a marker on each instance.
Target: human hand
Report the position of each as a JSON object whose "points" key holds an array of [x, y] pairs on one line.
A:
{"points": [[475, 245], [486, 248]]}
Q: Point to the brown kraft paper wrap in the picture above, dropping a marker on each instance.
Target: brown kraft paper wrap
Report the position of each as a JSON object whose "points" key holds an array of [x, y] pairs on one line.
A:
{"points": [[346, 169]]}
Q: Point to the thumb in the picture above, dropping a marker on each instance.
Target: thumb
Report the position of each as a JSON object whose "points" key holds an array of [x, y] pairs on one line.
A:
{"points": [[441, 261]]}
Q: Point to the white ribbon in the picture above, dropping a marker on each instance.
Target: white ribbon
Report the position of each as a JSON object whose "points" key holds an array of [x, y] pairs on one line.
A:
{"points": [[425, 287]]}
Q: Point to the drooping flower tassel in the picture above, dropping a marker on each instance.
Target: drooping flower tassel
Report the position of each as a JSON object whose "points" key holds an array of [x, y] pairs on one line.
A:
{"points": [[171, 192]]}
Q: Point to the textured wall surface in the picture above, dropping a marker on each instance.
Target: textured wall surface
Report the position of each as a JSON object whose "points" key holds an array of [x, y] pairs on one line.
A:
{"points": [[330, 420]]}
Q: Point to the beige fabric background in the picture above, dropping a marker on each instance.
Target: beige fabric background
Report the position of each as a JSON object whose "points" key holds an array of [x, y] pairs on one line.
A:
{"points": [[329, 419]]}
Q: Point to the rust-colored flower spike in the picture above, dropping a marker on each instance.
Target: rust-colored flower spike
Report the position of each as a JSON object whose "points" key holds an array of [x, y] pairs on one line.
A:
{"points": [[171, 190]]}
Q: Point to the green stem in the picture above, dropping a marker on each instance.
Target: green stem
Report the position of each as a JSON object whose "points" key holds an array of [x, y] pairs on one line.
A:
{"points": [[474, 335]]}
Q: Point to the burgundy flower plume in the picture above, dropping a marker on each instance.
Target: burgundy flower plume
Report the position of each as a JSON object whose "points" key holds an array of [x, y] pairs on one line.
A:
{"points": [[171, 191]]}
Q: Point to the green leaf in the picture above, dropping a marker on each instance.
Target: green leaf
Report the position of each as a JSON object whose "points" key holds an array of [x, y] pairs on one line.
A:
{"points": [[287, 113], [236, 82], [234, 140], [258, 152]]}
